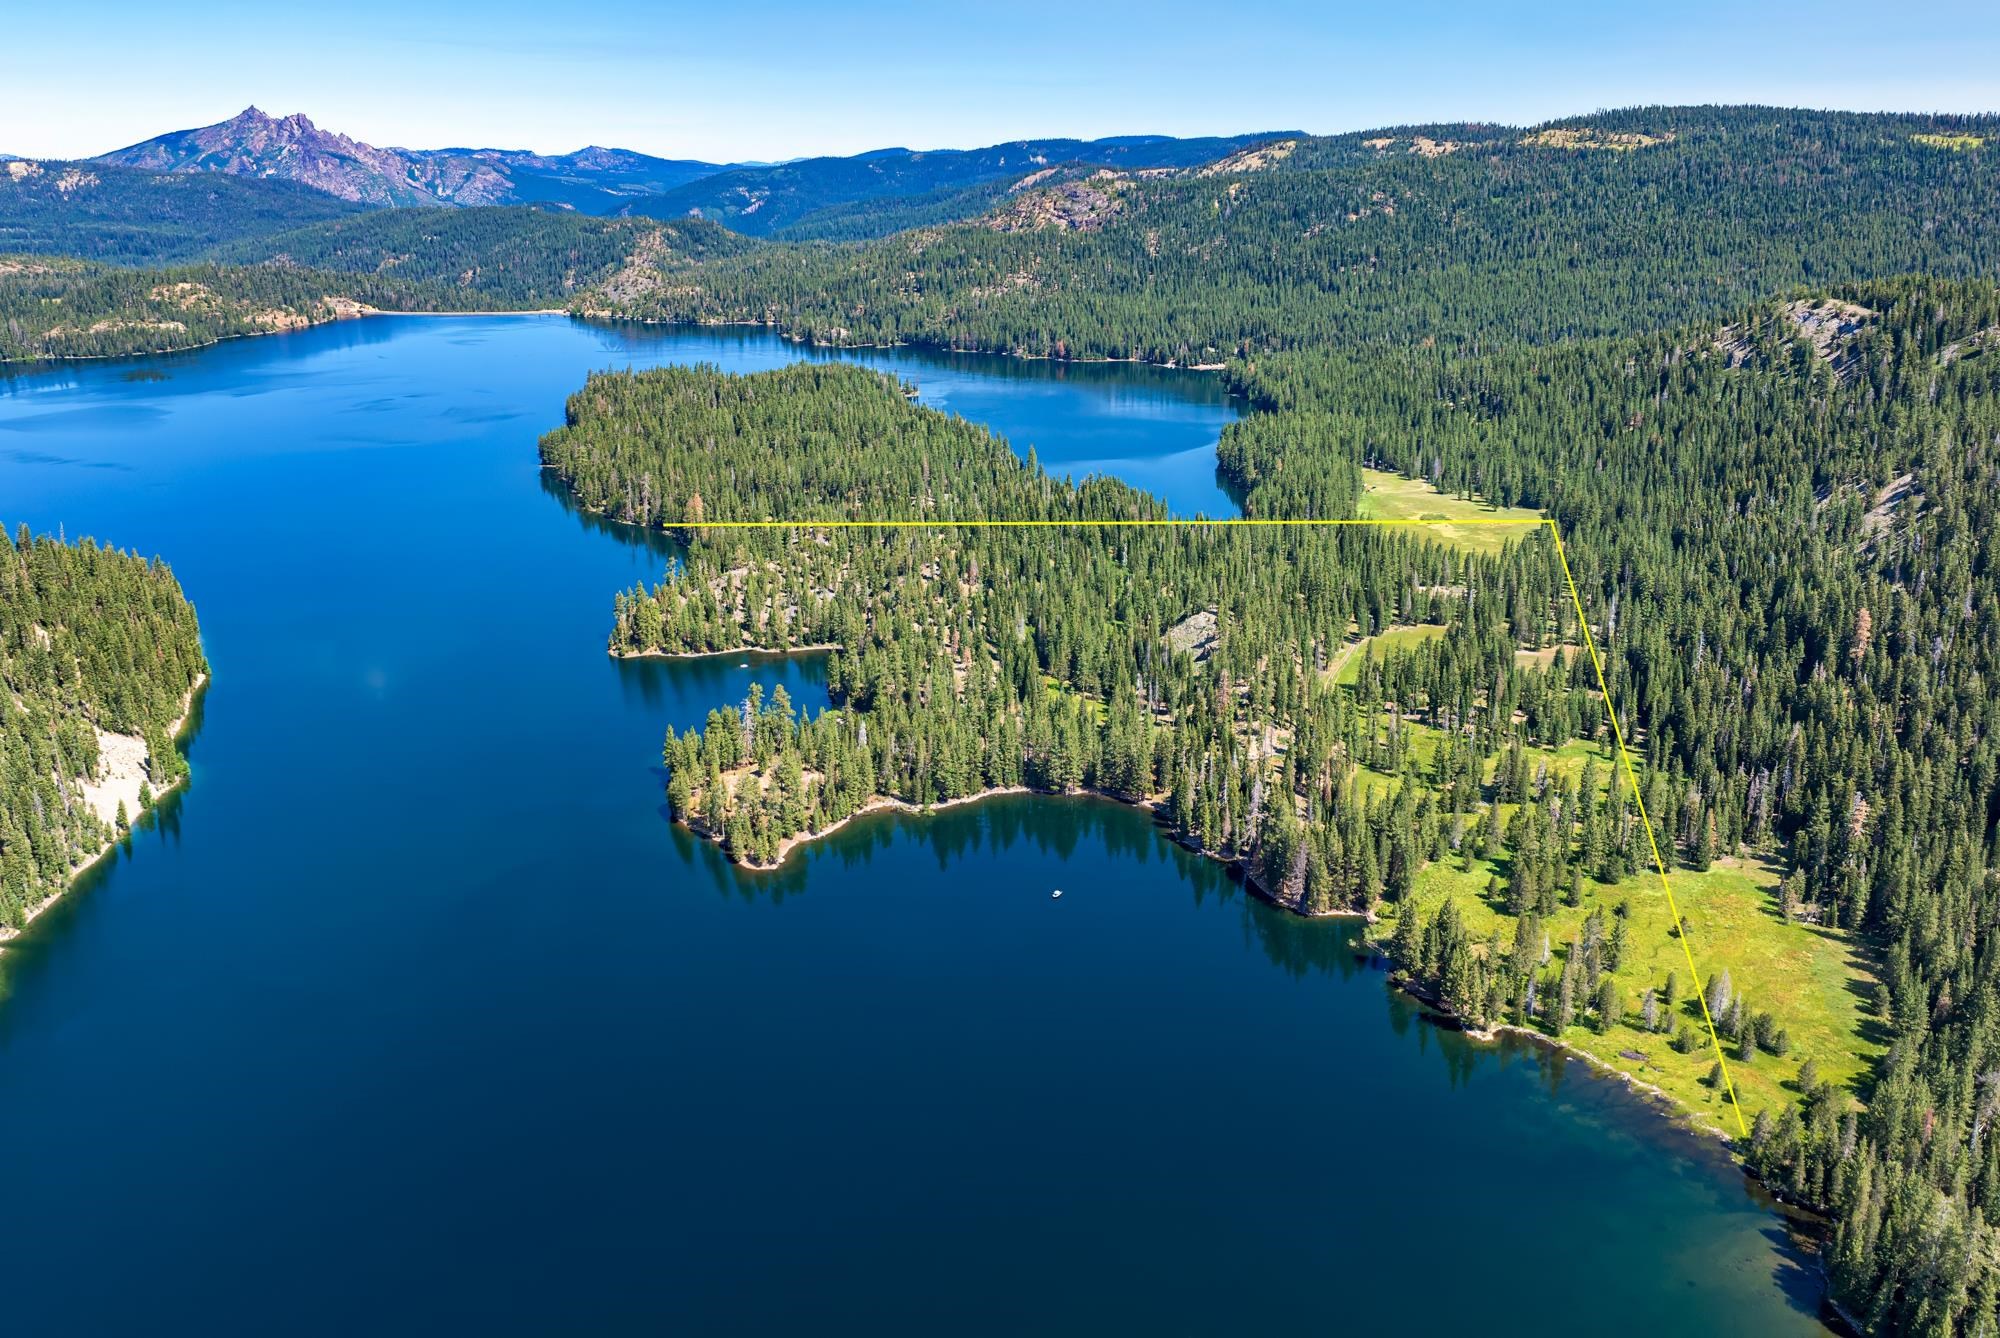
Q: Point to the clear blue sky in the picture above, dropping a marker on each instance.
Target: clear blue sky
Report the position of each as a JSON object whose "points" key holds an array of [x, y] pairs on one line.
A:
{"points": [[778, 80]]}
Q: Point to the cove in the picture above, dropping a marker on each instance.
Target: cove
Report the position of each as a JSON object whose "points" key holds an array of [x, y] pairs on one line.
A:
{"points": [[413, 1011]]}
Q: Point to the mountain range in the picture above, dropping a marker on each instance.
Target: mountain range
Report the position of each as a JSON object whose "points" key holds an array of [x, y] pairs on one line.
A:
{"points": [[753, 198], [291, 148]]}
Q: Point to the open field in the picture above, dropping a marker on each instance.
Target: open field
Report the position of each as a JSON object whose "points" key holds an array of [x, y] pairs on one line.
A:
{"points": [[1813, 980], [1392, 497]]}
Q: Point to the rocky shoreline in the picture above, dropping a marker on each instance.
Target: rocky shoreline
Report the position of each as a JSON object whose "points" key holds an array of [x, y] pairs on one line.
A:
{"points": [[91, 860]]}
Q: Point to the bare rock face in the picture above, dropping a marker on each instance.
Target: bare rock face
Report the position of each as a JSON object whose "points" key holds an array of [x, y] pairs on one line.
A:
{"points": [[1256, 158], [1970, 347], [1589, 137], [1074, 206], [294, 149], [1197, 634], [1832, 328]]}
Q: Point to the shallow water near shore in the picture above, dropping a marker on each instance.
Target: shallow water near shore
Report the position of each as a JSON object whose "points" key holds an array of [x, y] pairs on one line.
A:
{"points": [[412, 1012]]}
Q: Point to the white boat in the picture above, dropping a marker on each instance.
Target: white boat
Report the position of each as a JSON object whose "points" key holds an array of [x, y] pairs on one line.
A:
{"points": [[1056, 895]]}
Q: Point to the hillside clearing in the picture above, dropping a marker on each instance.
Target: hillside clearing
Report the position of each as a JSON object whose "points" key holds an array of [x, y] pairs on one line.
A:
{"points": [[1386, 496]]}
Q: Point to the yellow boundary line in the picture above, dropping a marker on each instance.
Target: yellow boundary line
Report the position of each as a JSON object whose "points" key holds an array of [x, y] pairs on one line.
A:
{"points": [[1576, 600], [943, 522], [1659, 864]]}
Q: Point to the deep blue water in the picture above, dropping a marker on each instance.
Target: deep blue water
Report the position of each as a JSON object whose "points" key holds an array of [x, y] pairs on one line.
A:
{"points": [[413, 1013]]}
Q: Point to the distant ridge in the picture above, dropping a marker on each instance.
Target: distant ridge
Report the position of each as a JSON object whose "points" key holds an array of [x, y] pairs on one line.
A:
{"points": [[763, 201], [754, 198]]}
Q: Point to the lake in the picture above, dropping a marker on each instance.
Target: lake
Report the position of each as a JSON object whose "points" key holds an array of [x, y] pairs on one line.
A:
{"points": [[414, 1013]]}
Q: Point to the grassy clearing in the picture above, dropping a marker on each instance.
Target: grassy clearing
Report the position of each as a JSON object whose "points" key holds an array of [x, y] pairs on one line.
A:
{"points": [[1814, 981], [1545, 658], [1393, 497], [1954, 142], [1422, 742], [1345, 668]]}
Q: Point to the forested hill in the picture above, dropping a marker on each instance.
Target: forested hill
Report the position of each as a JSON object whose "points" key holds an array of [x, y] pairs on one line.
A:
{"points": [[95, 211], [409, 261], [398, 260], [57, 308], [1464, 236], [93, 643], [505, 256]]}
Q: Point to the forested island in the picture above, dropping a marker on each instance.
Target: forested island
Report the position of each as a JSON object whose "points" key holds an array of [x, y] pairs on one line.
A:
{"points": [[100, 659]]}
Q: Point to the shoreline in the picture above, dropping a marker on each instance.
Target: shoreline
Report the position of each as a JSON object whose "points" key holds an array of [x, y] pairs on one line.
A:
{"points": [[1686, 1117], [1802, 1221], [779, 328], [719, 654], [503, 311], [878, 804], [1665, 1104], [7, 933], [1653, 1093], [54, 359], [361, 313], [890, 804], [590, 315]]}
